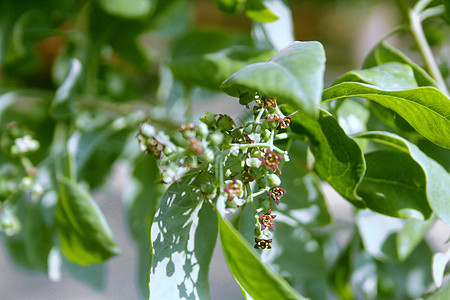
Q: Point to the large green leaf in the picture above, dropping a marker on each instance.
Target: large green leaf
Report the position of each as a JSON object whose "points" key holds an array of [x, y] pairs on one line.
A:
{"points": [[436, 177], [85, 237], [394, 184], [388, 75], [338, 158], [247, 268], [183, 235], [141, 200], [294, 75], [384, 53], [130, 9], [426, 109]]}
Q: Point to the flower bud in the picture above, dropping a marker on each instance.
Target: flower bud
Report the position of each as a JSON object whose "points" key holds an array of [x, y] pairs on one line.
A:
{"points": [[148, 130], [216, 138], [253, 162], [27, 182], [190, 162], [208, 155], [24, 144], [203, 130], [274, 180]]}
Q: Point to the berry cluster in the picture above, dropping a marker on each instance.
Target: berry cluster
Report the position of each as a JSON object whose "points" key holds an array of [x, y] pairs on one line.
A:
{"points": [[243, 161]]}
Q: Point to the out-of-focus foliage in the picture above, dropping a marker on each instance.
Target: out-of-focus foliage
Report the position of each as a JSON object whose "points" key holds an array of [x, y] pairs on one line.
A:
{"points": [[77, 78]]}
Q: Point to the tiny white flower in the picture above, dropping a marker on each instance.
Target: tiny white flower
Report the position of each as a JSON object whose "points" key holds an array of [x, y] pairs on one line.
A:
{"points": [[119, 123], [234, 151], [25, 144]]}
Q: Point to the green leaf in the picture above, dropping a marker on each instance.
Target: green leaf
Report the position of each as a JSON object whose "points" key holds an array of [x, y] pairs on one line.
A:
{"points": [[388, 75], [378, 234], [274, 35], [294, 75], [93, 274], [38, 235], [29, 247], [130, 9], [440, 260], [247, 268], [390, 239], [442, 293], [183, 234], [340, 275], [211, 69], [295, 252], [257, 11], [303, 201], [411, 235], [62, 106], [353, 116], [97, 151], [394, 184], [408, 279], [426, 109], [141, 200], [384, 53], [230, 6], [338, 158], [436, 177], [85, 237]]}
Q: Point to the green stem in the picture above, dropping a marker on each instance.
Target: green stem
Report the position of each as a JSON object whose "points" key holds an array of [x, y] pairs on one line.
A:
{"points": [[263, 145], [424, 48], [420, 6], [432, 12]]}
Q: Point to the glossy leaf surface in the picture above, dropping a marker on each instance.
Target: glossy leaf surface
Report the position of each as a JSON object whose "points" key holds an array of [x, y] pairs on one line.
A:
{"points": [[183, 235], [385, 53], [388, 75], [141, 200], [247, 268], [338, 158], [426, 109], [436, 177], [394, 184], [294, 75]]}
